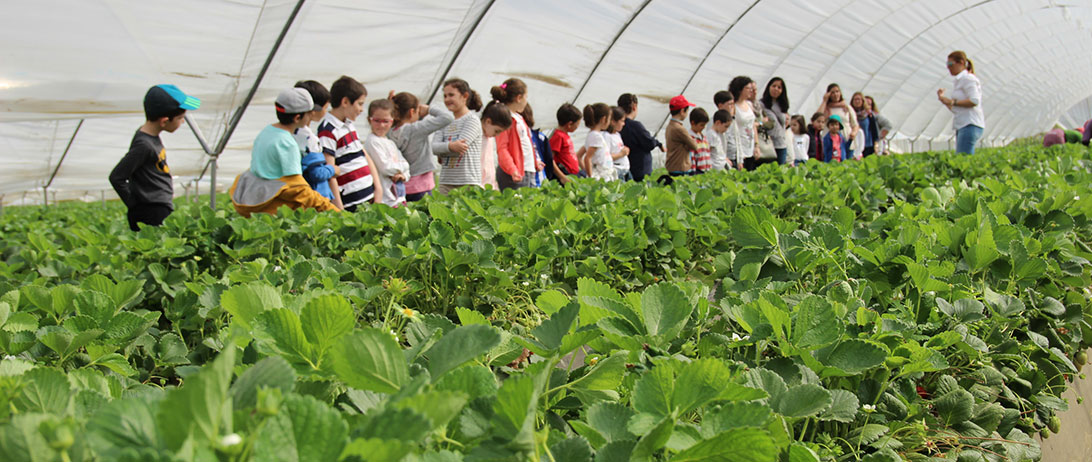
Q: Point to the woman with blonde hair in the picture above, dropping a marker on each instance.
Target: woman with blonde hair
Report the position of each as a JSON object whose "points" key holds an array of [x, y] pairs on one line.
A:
{"points": [[966, 102]]}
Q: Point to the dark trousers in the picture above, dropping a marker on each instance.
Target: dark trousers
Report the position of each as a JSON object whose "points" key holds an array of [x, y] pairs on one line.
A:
{"points": [[418, 196], [750, 164], [868, 151], [640, 166], [149, 214], [505, 181]]}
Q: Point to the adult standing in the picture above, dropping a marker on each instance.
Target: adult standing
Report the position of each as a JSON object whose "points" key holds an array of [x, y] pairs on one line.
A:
{"points": [[874, 127], [835, 104], [775, 105], [743, 91], [637, 138], [966, 103]]}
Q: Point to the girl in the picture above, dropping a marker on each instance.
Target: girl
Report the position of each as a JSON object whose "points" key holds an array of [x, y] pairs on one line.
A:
{"points": [[968, 120], [618, 150], [496, 119], [414, 123], [834, 104], [595, 155], [743, 91], [775, 105], [389, 163], [515, 152], [539, 142], [800, 140], [459, 145]]}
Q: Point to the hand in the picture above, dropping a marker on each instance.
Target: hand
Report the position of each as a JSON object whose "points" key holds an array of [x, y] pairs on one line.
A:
{"points": [[390, 95], [458, 147], [337, 170], [662, 148], [940, 94], [517, 177], [565, 180], [539, 165], [398, 177], [422, 111]]}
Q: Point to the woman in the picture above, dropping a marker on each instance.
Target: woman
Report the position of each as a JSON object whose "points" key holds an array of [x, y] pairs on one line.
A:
{"points": [[874, 128], [881, 127], [459, 145], [775, 105], [968, 120], [834, 104], [743, 91]]}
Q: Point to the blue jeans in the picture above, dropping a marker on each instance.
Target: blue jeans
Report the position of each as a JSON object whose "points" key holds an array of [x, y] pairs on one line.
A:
{"points": [[966, 138], [782, 155], [623, 175]]}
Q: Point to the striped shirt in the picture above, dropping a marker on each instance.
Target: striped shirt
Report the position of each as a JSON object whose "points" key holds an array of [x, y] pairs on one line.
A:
{"points": [[701, 160], [339, 139], [458, 169]]}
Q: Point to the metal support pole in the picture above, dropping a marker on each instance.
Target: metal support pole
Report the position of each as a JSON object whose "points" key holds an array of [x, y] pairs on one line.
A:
{"points": [[102, 196], [61, 162], [197, 134], [212, 183], [45, 196]]}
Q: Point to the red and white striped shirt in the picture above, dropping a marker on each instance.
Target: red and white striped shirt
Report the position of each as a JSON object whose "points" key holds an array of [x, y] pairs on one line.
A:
{"points": [[702, 159]]}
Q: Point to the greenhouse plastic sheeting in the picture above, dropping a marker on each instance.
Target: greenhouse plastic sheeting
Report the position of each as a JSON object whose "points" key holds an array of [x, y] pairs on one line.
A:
{"points": [[92, 60]]}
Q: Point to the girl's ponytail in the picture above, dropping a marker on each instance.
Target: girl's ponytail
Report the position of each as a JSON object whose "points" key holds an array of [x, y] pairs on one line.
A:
{"points": [[508, 91], [474, 101]]}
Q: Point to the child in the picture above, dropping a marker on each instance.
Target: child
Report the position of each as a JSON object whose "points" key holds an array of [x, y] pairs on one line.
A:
{"points": [[414, 123], [515, 153], [356, 180], [637, 138], [565, 163], [815, 136], [275, 176], [316, 171], [799, 140], [459, 145], [595, 155], [392, 167], [496, 119], [541, 145], [142, 178], [679, 141], [700, 159], [718, 139], [833, 144], [618, 150]]}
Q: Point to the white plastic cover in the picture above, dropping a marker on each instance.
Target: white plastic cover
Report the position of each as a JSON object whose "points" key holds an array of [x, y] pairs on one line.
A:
{"points": [[64, 61]]}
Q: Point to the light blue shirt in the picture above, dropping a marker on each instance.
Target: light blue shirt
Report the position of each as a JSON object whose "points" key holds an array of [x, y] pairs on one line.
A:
{"points": [[276, 154]]}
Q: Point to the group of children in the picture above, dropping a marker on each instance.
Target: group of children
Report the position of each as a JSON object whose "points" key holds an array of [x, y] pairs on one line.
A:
{"points": [[332, 168]]}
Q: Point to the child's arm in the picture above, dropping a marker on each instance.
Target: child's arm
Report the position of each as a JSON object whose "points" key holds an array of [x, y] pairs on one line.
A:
{"points": [[580, 158], [439, 117], [561, 176], [623, 153], [334, 187], [377, 182], [506, 155]]}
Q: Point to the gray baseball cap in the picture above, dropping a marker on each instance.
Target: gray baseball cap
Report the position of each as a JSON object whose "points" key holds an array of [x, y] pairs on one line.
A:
{"points": [[295, 101]]}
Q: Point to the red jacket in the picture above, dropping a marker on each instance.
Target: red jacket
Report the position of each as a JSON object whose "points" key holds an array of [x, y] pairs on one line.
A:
{"points": [[510, 152]]}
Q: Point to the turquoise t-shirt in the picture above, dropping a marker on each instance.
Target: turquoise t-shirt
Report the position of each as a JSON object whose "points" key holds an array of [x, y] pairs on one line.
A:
{"points": [[276, 154]]}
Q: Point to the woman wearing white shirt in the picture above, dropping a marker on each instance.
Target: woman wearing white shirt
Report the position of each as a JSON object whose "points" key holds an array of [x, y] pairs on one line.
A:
{"points": [[969, 122], [743, 91]]}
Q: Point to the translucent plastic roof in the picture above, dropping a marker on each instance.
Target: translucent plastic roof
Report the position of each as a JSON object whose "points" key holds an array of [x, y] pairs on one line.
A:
{"points": [[100, 56]]}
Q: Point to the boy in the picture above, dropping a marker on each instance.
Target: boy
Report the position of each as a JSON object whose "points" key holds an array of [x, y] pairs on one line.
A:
{"points": [[679, 141], [564, 162], [356, 180], [815, 136], [389, 162], [833, 146], [316, 171], [275, 175], [637, 138], [142, 178], [700, 159], [718, 139]]}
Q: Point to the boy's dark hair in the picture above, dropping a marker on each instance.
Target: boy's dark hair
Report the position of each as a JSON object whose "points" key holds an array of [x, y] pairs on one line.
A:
{"points": [[169, 114], [567, 114], [679, 111], [319, 94], [722, 97], [380, 104], [498, 114], [288, 119], [473, 99], [817, 116], [346, 87], [616, 114], [699, 116], [593, 113], [722, 116], [404, 103], [528, 116], [627, 101], [508, 91]]}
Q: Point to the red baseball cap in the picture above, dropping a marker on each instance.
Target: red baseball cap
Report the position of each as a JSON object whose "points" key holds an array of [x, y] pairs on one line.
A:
{"points": [[680, 102]]}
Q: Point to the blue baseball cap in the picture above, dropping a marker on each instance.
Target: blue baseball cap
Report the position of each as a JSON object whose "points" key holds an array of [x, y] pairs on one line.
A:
{"points": [[162, 100]]}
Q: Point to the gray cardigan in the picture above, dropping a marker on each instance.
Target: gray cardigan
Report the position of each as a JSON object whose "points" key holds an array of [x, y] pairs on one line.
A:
{"points": [[413, 140]]}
